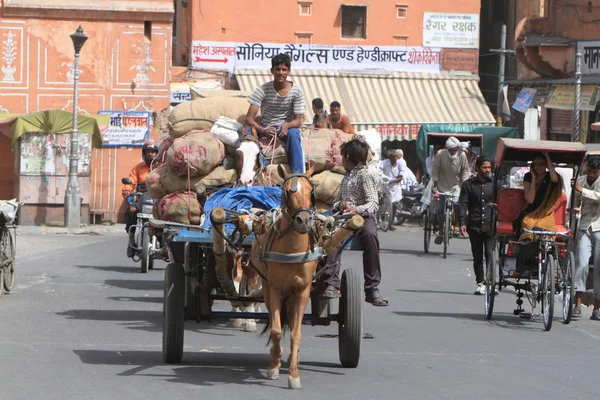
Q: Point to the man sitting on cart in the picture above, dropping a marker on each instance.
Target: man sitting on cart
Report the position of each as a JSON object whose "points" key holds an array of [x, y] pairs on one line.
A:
{"points": [[450, 170], [587, 196], [543, 189], [281, 103]]}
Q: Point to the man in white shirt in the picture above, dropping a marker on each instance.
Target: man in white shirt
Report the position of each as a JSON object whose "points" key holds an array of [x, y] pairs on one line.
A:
{"points": [[587, 197], [394, 169]]}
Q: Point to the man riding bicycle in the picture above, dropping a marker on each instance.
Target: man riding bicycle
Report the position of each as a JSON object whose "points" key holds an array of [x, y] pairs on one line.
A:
{"points": [[394, 170], [138, 176], [450, 170]]}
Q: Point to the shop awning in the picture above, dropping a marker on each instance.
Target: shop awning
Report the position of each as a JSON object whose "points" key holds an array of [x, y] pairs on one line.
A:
{"points": [[54, 121], [396, 104]]}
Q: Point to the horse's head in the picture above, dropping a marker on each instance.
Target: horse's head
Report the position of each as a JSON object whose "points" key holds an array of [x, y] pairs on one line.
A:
{"points": [[298, 200], [247, 157]]}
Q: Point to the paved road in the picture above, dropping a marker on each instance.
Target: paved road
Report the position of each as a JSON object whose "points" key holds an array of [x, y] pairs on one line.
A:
{"points": [[82, 323]]}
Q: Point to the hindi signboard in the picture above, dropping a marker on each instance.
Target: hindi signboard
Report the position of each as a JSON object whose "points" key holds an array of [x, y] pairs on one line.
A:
{"points": [[229, 55], [562, 97], [459, 31], [126, 128], [180, 93], [524, 99], [590, 51]]}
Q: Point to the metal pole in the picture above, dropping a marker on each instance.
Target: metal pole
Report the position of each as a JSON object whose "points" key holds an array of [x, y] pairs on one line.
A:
{"points": [[73, 193], [501, 72], [577, 116]]}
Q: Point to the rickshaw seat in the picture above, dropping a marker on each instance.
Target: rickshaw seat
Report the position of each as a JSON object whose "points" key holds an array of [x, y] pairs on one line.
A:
{"points": [[512, 201]]}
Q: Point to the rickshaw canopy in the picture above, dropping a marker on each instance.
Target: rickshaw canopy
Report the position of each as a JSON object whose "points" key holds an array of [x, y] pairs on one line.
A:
{"points": [[593, 149], [435, 138], [490, 134], [522, 150]]}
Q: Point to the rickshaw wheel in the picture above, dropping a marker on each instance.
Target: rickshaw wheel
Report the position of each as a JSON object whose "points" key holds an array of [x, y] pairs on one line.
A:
{"points": [[548, 291], [2, 280], [490, 286], [426, 231], [145, 256], [568, 287], [350, 319], [8, 253], [386, 219], [501, 258], [173, 313], [447, 227]]}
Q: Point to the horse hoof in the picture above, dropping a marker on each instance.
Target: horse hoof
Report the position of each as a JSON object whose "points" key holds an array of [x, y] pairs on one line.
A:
{"points": [[250, 326], [294, 383], [236, 323], [273, 374]]}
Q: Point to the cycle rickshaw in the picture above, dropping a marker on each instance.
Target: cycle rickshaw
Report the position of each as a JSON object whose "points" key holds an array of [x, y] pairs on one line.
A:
{"points": [[431, 222], [8, 244], [540, 268]]}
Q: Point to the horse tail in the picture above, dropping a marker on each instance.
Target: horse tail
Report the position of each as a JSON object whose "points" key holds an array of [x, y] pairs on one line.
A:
{"points": [[283, 317]]}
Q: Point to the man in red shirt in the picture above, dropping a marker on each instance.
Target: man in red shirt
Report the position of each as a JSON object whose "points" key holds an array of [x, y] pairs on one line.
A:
{"points": [[339, 120]]}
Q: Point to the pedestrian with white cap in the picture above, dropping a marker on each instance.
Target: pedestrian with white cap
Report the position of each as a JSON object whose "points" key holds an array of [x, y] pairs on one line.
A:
{"points": [[450, 170]]}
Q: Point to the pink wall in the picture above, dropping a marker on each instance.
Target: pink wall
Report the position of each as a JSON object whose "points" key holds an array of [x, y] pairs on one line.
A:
{"points": [[279, 21]]}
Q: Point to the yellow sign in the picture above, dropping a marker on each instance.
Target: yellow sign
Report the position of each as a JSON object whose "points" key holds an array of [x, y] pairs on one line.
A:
{"points": [[562, 97]]}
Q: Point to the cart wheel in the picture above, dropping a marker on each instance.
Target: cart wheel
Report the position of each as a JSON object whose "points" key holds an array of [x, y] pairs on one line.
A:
{"points": [[447, 226], [426, 231], [8, 253], [501, 261], [153, 248], [490, 286], [568, 287], [350, 322], [547, 289], [385, 215], [173, 313], [2, 280], [145, 256]]}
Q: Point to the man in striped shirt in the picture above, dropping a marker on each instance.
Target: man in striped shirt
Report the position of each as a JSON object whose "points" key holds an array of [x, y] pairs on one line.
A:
{"points": [[281, 103]]}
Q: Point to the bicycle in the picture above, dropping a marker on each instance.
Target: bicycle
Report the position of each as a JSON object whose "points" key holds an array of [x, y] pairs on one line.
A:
{"points": [[385, 219], [431, 221]]}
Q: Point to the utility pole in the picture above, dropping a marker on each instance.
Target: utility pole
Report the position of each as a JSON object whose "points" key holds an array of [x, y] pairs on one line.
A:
{"points": [[501, 71], [577, 106]]}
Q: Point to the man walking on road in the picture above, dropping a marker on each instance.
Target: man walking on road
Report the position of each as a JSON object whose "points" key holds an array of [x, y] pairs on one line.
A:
{"points": [[587, 197], [476, 212]]}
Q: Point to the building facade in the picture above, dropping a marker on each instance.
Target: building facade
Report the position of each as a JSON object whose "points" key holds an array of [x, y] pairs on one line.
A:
{"points": [[124, 66], [394, 65], [545, 36]]}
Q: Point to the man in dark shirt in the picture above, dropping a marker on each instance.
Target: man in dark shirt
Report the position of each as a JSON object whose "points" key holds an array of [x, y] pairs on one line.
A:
{"points": [[476, 198]]}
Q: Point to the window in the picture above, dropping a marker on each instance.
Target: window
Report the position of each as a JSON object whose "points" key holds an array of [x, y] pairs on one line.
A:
{"points": [[304, 38], [401, 11], [148, 30], [305, 8], [400, 40], [354, 22]]}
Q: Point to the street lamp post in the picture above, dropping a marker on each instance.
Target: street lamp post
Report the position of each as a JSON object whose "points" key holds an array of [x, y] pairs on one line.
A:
{"points": [[73, 193]]}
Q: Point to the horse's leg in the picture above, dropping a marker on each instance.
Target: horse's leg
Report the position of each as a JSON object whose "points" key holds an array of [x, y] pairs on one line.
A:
{"points": [[275, 301], [296, 309], [237, 322]]}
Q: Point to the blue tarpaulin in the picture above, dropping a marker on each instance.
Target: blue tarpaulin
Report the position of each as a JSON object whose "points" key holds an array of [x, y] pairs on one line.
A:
{"points": [[242, 199]]}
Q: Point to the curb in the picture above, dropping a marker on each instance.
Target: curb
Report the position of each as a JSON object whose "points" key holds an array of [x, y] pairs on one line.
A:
{"points": [[97, 230]]}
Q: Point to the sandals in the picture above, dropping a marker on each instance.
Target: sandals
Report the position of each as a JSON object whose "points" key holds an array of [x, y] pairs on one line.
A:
{"points": [[330, 292], [374, 297], [576, 312]]}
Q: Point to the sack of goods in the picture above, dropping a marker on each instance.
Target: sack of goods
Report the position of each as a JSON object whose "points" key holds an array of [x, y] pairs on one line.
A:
{"points": [[321, 148], [195, 153], [180, 207], [204, 112], [327, 186]]}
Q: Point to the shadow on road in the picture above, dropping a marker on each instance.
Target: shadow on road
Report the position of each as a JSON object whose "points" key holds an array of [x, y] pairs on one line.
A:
{"points": [[126, 270], [502, 320], [198, 368], [443, 292], [416, 253], [135, 284], [141, 299]]}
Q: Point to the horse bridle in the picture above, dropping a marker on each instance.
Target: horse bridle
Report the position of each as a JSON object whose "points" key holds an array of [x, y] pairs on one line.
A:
{"points": [[285, 210]]}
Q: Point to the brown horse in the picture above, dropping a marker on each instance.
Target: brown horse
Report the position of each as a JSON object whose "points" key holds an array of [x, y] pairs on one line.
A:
{"points": [[284, 257]]}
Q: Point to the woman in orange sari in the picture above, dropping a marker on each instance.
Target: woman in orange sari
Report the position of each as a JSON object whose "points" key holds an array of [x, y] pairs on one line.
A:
{"points": [[543, 189]]}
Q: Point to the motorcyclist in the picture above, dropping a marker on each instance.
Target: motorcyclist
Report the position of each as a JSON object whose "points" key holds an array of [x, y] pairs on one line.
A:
{"points": [[138, 176]]}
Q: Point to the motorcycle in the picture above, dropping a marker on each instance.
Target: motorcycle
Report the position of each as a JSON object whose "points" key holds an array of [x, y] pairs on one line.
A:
{"points": [[410, 206], [146, 246]]}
